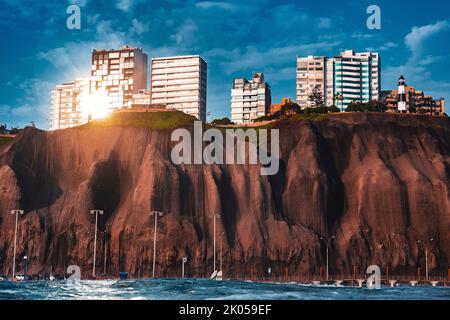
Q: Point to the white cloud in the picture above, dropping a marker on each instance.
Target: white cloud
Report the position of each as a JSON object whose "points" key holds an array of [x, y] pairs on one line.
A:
{"points": [[214, 4], [139, 27], [385, 47], [124, 5], [416, 69], [186, 33], [362, 36], [414, 40], [80, 3], [252, 58], [127, 6]]}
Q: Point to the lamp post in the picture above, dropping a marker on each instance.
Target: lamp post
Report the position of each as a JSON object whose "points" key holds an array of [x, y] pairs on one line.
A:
{"points": [[17, 213], [328, 243], [221, 250], [104, 252], [182, 267], [425, 244], [214, 242], [96, 213], [25, 258], [156, 214]]}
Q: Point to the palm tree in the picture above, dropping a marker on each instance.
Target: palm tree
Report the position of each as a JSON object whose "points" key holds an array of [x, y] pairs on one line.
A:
{"points": [[339, 97]]}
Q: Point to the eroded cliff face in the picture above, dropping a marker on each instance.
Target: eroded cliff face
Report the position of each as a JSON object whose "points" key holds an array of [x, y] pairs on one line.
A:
{"points": [[377, 182]]}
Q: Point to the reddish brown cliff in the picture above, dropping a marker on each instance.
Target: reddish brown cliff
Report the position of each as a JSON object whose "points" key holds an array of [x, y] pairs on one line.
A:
{"points": [[378, 182]]}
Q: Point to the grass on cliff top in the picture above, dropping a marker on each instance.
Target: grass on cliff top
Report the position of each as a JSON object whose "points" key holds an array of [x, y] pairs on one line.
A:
{"points": [[5, 140], [149, 120]]}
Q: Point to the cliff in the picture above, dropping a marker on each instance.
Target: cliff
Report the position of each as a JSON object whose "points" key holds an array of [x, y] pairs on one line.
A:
{"points": [[378, 182]]}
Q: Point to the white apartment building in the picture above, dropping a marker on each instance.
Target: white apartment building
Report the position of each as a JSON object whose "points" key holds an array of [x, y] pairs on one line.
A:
{"points": [[343, 79], [180, 83], [250, 99], [310, 74], [119, 74], [66, 104], [357, 77]]}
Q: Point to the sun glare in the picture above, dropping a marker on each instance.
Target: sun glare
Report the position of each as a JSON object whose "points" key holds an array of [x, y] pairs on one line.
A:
{"points": [[96, 105]]}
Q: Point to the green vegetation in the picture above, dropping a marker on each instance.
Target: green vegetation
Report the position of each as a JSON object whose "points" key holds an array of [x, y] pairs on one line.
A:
{"points": [[5, 140], [316, 97], [372, 106], [223, 121], [321, 110], [310, 116], [293, 109], [149, 120]]}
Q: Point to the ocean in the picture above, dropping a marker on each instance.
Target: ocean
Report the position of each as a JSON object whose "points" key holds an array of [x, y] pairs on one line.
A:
{"points": [[200, 289]]}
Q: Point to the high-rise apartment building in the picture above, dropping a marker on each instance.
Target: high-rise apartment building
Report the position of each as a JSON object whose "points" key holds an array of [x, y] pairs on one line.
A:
{"points": [[349, 77], [310, 74], [180, 83], [67, 104], [250, 99], [119, 74], [356, 77]]}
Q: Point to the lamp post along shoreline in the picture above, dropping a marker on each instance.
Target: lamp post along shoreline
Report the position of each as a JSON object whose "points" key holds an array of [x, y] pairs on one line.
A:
{"points": [[156, 214], [96, 213], [214, 244], [327, 240], [182, 266], [425, 244], [17, 213]]}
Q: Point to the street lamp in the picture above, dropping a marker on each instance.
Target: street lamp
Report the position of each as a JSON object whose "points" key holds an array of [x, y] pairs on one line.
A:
{"points": [[96, 213], [17, 213], [182, 267], [25, 258], [221, 250], [214, 243], [328, 243], [156, 214], [425, 244], [104, 251]]}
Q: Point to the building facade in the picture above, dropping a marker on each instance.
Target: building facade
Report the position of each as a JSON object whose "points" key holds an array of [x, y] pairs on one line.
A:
{"points": [[356, 78], [180, 83], [119, 74], [250, 99], [349, 77], [67, 104], [311, 73], [275, 107], [406, 99], [142, 100]]}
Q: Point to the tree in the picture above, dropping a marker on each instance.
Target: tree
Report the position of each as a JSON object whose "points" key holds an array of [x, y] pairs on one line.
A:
{"points": [[376, 106], [316, 97], [223, 121], [334, 109], [290, 108], [372, 106], [355, 107], [339, 97], [3, 129], [320, 109], [15, 130]]}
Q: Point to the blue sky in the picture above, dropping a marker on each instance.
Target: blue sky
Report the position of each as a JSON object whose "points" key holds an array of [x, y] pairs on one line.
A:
{"points": [[237, 38]]}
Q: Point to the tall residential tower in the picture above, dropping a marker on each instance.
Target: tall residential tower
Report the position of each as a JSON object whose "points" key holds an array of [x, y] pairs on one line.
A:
{"points": [[356, 77], [119, 74], [180, 83], [250, 99], [67, 108]]}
